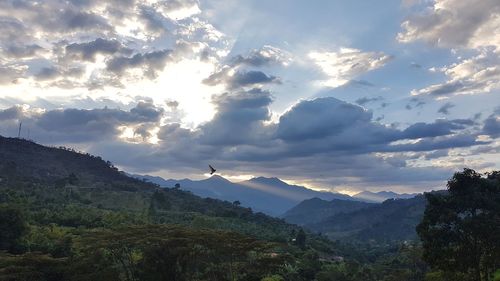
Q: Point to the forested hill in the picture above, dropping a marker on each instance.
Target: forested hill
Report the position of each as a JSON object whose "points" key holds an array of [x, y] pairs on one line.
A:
{"points": [[23, 159], [316, 210], [394, 219]]}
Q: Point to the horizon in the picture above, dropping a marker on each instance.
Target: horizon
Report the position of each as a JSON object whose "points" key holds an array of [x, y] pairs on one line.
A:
{"points": [[330, 95]]}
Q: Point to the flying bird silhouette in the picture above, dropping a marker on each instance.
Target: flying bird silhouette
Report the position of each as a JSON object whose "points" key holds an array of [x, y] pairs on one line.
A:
{"points": [[212, 169]]}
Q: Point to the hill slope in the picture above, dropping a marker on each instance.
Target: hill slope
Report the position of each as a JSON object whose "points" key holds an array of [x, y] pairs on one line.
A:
{"points": [[316, 210], [394, 219]]}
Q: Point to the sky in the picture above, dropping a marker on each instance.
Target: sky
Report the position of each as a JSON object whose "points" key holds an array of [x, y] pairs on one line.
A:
{"points": [[334, 95]]}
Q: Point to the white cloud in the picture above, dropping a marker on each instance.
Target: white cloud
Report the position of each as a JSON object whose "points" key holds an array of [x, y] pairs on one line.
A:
{"points": [[455, 23], [462, 26], [476, 75], [346, 64]]}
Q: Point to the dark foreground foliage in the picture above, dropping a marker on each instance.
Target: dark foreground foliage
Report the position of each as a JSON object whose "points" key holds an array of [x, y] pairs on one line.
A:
{"points": [[461, 228]]}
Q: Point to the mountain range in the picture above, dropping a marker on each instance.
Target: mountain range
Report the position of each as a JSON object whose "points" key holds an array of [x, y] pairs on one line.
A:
{"points": [[268, 195], [374, 197]]}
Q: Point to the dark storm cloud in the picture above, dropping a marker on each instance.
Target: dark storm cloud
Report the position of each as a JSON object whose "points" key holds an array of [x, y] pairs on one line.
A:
{"points": [[445, 108]]}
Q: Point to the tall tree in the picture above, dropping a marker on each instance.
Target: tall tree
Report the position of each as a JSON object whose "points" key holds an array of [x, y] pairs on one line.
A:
{"points": [[460, 229], [12, 227]]}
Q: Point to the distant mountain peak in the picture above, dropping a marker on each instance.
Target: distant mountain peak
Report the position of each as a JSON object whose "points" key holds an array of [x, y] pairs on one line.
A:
{"points": [[273, 180], [217, 178]]}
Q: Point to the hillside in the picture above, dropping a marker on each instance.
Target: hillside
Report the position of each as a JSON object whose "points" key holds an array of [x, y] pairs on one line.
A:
{"points": [[394, 219], [269, 195], [23, 160], [316, 210]]}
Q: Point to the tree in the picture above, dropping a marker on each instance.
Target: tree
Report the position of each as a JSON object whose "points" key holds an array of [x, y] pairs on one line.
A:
{"points": [[12, 227], [460, 229], [300, 239]]}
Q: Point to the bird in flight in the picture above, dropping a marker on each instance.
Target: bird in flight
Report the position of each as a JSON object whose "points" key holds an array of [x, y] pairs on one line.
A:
{"points": [[212, 169]]}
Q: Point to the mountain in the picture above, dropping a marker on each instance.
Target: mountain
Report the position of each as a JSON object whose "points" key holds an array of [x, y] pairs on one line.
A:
{"points": [[394, 219], [368, 196], [269, 195], [316, 210]]}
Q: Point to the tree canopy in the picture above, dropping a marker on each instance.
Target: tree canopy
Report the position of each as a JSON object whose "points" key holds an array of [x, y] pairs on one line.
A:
{"points": [[460, 230]]}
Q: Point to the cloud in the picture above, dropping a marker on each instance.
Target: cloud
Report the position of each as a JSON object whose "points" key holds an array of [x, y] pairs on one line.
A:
{"points": [[239, 120], [346, 64], [445, 108], [88, 50], [237, 79], [80, 125], [455, 23], [47, 73], [9, 74], [492, 124], [21, 51], [460, 25], [476, 75], [364, 100], [265, 56], [124, 35], [320, 118], [149, 62], [415, 102], [436, 129]]}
